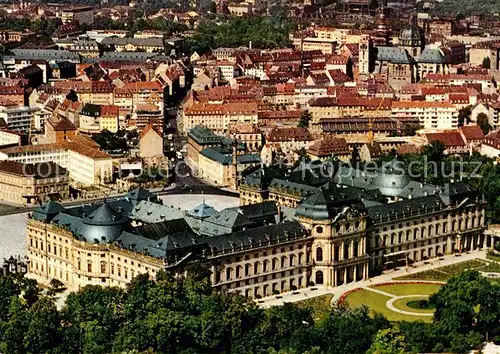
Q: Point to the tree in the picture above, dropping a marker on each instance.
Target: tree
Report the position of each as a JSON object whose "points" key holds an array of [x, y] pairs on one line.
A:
{"points": [[30, 290], [389, 341], [484, 122], [410, 129], [349, 330], [305, 118], [55, 286], [464, 116], [486, 62], [43, 327]]}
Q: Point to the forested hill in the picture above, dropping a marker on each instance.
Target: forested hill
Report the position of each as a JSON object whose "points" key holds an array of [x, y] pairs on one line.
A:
{"points": [[467, 7]]}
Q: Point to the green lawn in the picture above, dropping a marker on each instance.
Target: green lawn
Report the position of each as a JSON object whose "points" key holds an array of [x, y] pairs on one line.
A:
{"points": [[493, 257], [402, 304], [377, 304], [446, 272], [458, 268], [409, 289], [320, 305], [426, 275], [493, 267]]}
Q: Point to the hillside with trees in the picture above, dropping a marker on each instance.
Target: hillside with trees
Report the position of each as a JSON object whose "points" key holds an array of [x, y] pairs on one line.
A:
{"points": [[464, 7]]}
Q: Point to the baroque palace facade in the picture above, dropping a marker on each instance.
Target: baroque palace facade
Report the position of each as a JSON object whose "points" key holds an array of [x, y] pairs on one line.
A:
{"points": [[335, 234]]}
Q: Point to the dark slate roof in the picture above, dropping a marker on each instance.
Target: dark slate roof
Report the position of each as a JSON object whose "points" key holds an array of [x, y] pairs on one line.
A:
{"points": [[202, 211], [45, 54], [262, 235], [224, 222], [405, 208], [159, 230], [394, 55], [140, 194], [456, 192], [216, 154], [105, 215], [132, 56], [203, 135], [259, 210], [431, 55], [47, 211], [300, 189], [327, 204]]}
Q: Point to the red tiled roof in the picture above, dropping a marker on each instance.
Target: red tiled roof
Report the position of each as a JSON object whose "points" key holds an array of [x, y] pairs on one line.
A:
{"points": [[449, 138], [147, 129], [328, 146], [60, 124], [472, 132], [289, 134]]}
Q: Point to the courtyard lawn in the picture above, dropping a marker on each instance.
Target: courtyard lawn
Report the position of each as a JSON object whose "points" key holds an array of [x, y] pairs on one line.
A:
{"points": [[431, 274], [409, 289], [493, 256], [446, 272], [377, 304], [492, 267], [402, 304], [458, 268], [320, 305]]}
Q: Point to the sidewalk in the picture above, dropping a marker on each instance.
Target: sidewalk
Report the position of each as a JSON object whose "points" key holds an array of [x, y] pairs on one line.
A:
{"points": [[337, 291]]}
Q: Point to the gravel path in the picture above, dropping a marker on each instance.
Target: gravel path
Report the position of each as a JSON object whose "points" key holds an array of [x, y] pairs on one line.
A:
{"points": [[390, 306]]}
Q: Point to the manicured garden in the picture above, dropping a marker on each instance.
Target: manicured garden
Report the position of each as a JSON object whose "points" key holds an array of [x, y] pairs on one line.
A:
{"points": [[378, 302], [408, 288], [415, 304], [446, 272]]}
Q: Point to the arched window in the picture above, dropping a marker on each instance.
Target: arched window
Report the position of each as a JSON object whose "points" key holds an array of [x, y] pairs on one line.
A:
{"points": [[319, 254], [256, 267], [283, 262], [275, 263], [247, 269], [319, 277], [229, 273]]}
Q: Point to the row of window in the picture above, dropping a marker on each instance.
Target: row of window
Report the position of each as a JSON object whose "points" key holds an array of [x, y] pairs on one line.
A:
{"points": [[265, 267]]}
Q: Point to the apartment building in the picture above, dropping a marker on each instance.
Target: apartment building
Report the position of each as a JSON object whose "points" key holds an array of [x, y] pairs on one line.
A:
{"points": [[219, 117], [84, 15], [86, 164], [31, 184], [18, 118], [59, 130], [430, 115]]}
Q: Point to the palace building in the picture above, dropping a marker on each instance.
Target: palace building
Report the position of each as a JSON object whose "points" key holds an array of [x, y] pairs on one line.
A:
{"points": [[286, 235]]}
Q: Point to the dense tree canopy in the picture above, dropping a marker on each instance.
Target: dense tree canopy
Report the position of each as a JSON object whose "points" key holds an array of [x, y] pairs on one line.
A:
{"points": [[184, 315], [235, 32]]}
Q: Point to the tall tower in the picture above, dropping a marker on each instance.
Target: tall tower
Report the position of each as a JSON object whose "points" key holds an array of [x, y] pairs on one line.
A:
{"points": [[364, 55]]}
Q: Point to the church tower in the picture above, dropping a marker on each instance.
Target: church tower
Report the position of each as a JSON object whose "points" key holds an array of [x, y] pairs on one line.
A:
{"points": [[364, 56], [412, 38]]}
